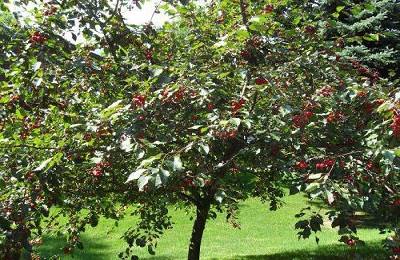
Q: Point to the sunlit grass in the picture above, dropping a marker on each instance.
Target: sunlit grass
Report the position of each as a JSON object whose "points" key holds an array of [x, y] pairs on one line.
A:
{"points": [[263, 235]]}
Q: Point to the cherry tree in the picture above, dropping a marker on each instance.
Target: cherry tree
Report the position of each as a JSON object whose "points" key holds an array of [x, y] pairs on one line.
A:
{"points": [[228, 100]]}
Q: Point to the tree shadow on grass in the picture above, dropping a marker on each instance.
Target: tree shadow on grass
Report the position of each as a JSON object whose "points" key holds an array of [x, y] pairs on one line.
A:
{"points": [[93, 250], [53, 246], [362, 220], [158, 258], [371, 251]]}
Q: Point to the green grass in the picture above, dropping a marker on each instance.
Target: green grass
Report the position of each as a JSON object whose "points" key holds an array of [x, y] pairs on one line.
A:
{"points": [[263, 235]]}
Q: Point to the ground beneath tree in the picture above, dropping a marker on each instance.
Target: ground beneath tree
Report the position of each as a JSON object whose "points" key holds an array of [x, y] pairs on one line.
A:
{"points": [[263, 235]]}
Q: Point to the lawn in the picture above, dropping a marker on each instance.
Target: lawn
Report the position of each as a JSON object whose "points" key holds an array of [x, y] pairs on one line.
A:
{"points": [[263, 235]]}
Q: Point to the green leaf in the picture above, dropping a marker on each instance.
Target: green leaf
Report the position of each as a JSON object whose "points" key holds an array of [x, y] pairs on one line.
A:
{"points": [[389, 155], [36, 66], [43, 165], [136, 175], [242, 34], [147, 162], [339, 8], [142, 181], [314, 176], [126, 145], [297, 20], [205, 148], [164, 173], [219, 196], [111, 109], [384, 107], [235, 121], [177, 163], [312, 187], [161, 177], [371, 37], [330, 197]]}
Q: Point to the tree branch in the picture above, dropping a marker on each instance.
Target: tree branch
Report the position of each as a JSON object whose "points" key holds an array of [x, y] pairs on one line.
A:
{"points": [[28, 146], [189, 198], [244, 14]]}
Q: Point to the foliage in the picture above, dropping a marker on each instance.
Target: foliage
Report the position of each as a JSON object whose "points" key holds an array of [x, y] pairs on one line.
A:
{"points": [[228, 101]]}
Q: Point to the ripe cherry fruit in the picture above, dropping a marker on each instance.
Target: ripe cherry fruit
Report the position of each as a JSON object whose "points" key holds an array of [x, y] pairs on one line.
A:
{"points": [[261, 81], [302, 165]]}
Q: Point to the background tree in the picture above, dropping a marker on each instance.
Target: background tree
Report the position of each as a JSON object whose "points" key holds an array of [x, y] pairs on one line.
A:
{"points": [[368, 31]]}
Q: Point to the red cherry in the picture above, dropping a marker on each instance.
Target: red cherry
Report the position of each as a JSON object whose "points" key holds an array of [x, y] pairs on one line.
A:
{"points": [[140, 135], [301, 165], [326, 91], [97, 172], [245, 54], [87, 137], [396, 250], [351, 242], [331, 117], [368, 107], [37, 37], [232, 134], [139, 100], [396, 203], [237, 105], [261, 81], [370, 166], [395, 126], [165, 92], [299, 121], [308, 114], [210, 106], [379, 102], [321, 166], [310, 29], [149, 55], [178, 96], [329, 162], [268, 9], [141, 117], [363, 70]]}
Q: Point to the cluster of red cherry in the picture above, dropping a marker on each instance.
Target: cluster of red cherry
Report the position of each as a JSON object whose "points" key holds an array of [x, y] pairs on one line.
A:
{"points": [[51, 11], [325, 164], [237, 105], [396, 125], [37, 38], [326, 91], [224, 135], [98, 170], [372, 74], [334, 116], [139, 100], [302, 119]]}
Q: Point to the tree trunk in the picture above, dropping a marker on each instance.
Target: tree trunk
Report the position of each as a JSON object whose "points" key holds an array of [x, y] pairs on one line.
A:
{"points": [[13, 255], [197, 231]]}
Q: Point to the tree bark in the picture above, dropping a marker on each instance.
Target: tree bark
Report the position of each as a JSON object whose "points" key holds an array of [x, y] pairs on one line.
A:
{"points": [[13, 255], [197, 231]]}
